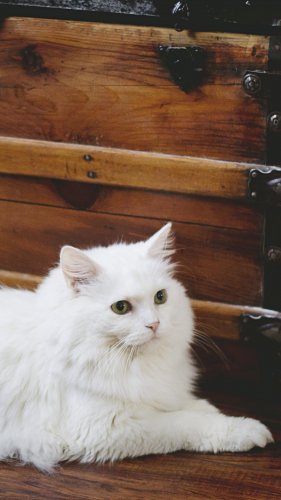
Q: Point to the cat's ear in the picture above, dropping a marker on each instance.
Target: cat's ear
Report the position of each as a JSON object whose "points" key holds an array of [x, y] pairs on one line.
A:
{"points": [[77, 267], [161, 244]]}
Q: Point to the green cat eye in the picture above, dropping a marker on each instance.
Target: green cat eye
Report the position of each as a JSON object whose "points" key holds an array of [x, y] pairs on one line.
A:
{"points": [[121, 307], [160, 297]]}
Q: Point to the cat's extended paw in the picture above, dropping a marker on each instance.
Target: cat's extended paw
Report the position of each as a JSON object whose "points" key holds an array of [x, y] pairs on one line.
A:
{"points": [[246, 433]]}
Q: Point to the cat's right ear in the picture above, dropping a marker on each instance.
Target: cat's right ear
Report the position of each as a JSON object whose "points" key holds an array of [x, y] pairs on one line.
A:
{"points": [[77, 267], [161, 244]]}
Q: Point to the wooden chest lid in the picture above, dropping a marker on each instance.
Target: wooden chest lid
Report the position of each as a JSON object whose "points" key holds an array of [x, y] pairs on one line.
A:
{"points": [[253, 16]]}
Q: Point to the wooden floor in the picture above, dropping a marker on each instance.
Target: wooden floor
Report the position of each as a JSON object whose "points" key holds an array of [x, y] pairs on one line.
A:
{"points": [[254, 475]]}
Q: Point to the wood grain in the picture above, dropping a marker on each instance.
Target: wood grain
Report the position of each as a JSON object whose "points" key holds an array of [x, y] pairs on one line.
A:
{"points": [[19, 280], [210, 259], [199, 176], [218, 212], [106, 85]]}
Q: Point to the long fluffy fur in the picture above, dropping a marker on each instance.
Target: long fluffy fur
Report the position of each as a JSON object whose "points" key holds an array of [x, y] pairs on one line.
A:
{"points": [[79, 382]]}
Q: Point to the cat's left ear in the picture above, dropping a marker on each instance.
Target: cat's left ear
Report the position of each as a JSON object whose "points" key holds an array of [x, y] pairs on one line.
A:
{"points": [[77, 267], [161, 244]]}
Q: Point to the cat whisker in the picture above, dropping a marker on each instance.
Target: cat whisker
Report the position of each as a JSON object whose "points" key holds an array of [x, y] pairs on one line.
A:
{"points": [[115, 354], [207, 343], [110, 355], [122, 355], [198, 359]]}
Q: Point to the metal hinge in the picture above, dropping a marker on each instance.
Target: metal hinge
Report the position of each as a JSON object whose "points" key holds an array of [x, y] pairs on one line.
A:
{"points": [[264, 332]]}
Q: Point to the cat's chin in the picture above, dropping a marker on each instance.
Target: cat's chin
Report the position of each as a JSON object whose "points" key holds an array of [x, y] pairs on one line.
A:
{"points": [[152, 340]]}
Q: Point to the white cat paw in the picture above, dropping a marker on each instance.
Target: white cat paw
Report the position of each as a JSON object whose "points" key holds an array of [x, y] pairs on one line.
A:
{"points": [[244, 434]]}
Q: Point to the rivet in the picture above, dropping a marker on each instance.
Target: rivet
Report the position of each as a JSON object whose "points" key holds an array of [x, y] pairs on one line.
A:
{"points": [[252, 83], [92, 174], [253, 194], [273, 254], [87, 157], [254, 174], [274, 122]]}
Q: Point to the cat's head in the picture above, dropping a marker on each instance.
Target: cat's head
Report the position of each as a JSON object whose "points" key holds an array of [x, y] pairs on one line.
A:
{"points": [[128, 291]]}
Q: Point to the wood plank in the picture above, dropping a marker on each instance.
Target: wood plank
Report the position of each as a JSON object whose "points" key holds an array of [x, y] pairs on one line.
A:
{"points": [[135, 202], [199, 176], [19, 280], [248, 476], [106, 85], [210, 259]]}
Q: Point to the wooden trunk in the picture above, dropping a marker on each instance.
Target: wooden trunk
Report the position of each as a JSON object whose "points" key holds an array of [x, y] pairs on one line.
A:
{"points": [[99, 143]]}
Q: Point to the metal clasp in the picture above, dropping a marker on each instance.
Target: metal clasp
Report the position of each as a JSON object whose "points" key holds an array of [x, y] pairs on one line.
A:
{"points": [[264, 185]]}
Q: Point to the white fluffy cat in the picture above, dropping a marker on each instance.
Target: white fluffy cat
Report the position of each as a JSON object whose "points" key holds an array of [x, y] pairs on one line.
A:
{"points": [[95, 365]]}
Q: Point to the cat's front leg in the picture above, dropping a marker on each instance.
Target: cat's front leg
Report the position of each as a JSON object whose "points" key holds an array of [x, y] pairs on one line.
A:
{"points": [[216, 432], [149, 431], [235, 434]]}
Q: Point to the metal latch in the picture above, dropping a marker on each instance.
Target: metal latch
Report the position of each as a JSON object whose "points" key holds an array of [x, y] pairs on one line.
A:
{"points": [[264, 185], [264, 332]]}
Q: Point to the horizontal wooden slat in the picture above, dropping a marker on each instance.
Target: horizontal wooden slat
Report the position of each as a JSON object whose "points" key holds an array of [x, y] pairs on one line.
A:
{"points": [[217, 212], [223, 320], [215, 319], [19, 280], [106, 85], [199, 176], [216, 264]]}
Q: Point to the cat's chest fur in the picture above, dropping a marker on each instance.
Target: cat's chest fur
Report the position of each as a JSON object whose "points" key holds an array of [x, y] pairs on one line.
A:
{"points": [[161, 377], [96, 364]]}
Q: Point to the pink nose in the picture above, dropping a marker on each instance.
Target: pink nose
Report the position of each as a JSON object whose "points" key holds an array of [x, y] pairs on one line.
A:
{"points": [[153, 326]]}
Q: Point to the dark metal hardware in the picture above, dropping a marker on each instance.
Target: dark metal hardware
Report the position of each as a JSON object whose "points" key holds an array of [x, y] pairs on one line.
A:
{"points": [[274, 122], [252, 326], [264, 332], [91, 174], [273, 255], [272, 270], [181, 14], [219, 15], [250, 14], [87, 157], [252, 83], [265, 185], [187, 65], [261, 83]]}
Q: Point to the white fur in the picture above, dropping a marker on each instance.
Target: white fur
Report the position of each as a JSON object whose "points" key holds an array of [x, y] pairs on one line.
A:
{"points": [[78, 381]]}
